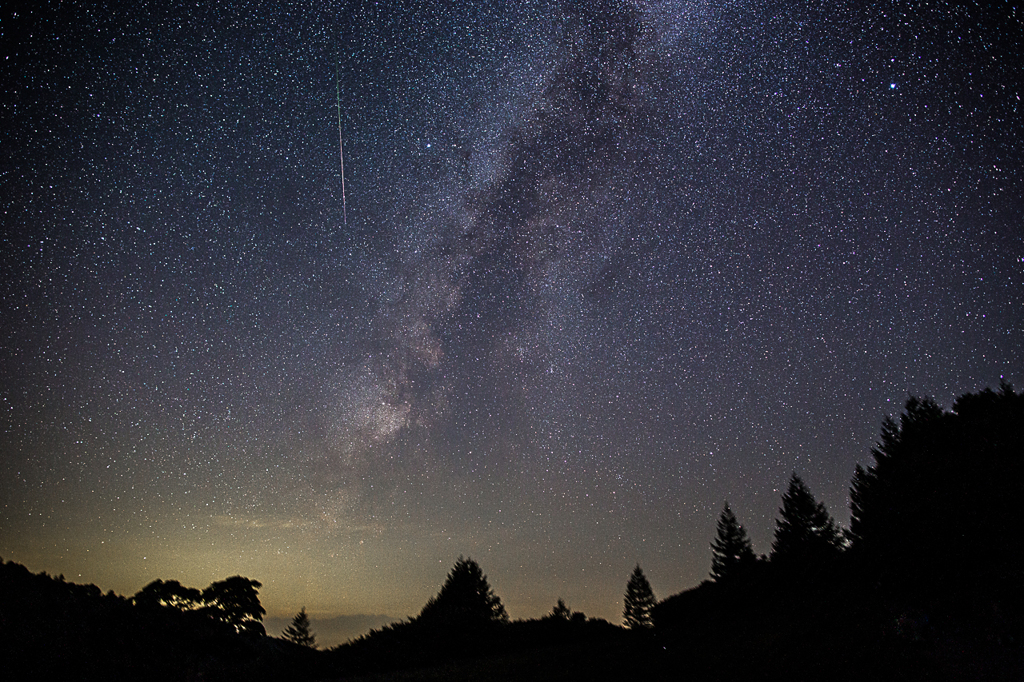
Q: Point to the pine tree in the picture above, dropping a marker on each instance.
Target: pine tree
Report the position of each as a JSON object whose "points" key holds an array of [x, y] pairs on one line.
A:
{"points": [[465, 598], [806, 533], [638, 601], [731, 553], [299, 632], [561, 611]]}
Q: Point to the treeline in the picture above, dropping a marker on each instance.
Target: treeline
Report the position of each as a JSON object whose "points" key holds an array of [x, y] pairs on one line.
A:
{"points": [[927, 583], [53, 629]]}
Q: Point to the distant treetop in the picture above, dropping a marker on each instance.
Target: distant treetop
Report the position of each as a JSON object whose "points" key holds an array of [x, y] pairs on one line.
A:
{"points": [[465, 598], [299, 631], [234, 601], [638, 601], [805, 533], [731, 552]]}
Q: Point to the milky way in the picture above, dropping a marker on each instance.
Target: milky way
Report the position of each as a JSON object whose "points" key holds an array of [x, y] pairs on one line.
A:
{"points": [[605, 266]]}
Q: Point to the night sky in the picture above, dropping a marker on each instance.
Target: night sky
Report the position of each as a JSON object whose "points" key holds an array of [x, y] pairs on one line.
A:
{"points": [[599, 267]]}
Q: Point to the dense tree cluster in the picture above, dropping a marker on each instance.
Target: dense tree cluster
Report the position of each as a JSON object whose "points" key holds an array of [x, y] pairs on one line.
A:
{"points": [[53, 629], [939, 512], [234, 602]]}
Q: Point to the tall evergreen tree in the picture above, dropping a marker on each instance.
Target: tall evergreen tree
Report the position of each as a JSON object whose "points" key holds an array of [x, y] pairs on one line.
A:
{"points": [[299, 631], [561, 611], [638, 602], [901, 454], [465, 598], [731, 553], [805, 533]]}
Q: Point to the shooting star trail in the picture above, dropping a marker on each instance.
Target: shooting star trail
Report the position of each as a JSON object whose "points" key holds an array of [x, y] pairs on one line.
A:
{"points": [[341, 145]]}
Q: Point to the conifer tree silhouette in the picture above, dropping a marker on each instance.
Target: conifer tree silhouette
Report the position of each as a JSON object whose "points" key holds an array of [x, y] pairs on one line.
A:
{"points": [[561, 611], [638, 601], [939, 513], [805, 533], [465, 598], [732, 555], [299, 631]]}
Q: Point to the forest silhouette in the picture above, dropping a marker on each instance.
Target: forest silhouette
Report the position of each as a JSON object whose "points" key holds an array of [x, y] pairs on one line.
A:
{"points": [[926, 584]]}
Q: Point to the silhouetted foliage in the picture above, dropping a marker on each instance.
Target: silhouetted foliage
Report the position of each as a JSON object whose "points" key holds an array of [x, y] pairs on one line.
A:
{"points": [[561, 611], [732, 555], [805, 534], [169, 594], [938, 513], [466, 598], [638, 601], [236, 602], [69, 631], [299, 631]]}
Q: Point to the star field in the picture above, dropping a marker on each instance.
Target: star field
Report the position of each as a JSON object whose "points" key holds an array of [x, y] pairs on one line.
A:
{"points": [[605, 266]]}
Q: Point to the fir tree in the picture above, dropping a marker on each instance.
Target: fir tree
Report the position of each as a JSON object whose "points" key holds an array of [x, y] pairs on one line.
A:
{"points": [[805, 533], [299, 632], [638, 601], [465, 598], [731, 552], [561, 611]]}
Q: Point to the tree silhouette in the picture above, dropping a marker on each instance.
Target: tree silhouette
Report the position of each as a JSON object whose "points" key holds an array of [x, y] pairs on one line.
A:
{"points": [[638, 601], [236, 601], [805, 534], [561, 611], [939, 513], [731, 553], [899, 459], [299, 632], [465, 598], [170, 593]]}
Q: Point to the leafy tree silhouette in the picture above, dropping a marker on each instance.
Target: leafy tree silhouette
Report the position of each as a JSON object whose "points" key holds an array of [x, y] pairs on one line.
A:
{"points": [[299, 631], [805, 534], [170, 593], [466, 598], [732, 555], [236, 601], [638, 601]]}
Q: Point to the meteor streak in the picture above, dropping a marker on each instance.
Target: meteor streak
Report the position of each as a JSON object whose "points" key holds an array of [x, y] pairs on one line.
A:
{"points": [[341, 145]]}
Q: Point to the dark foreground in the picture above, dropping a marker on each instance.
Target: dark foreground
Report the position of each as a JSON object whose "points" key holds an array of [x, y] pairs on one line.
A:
{"points": [[770, 629]]}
